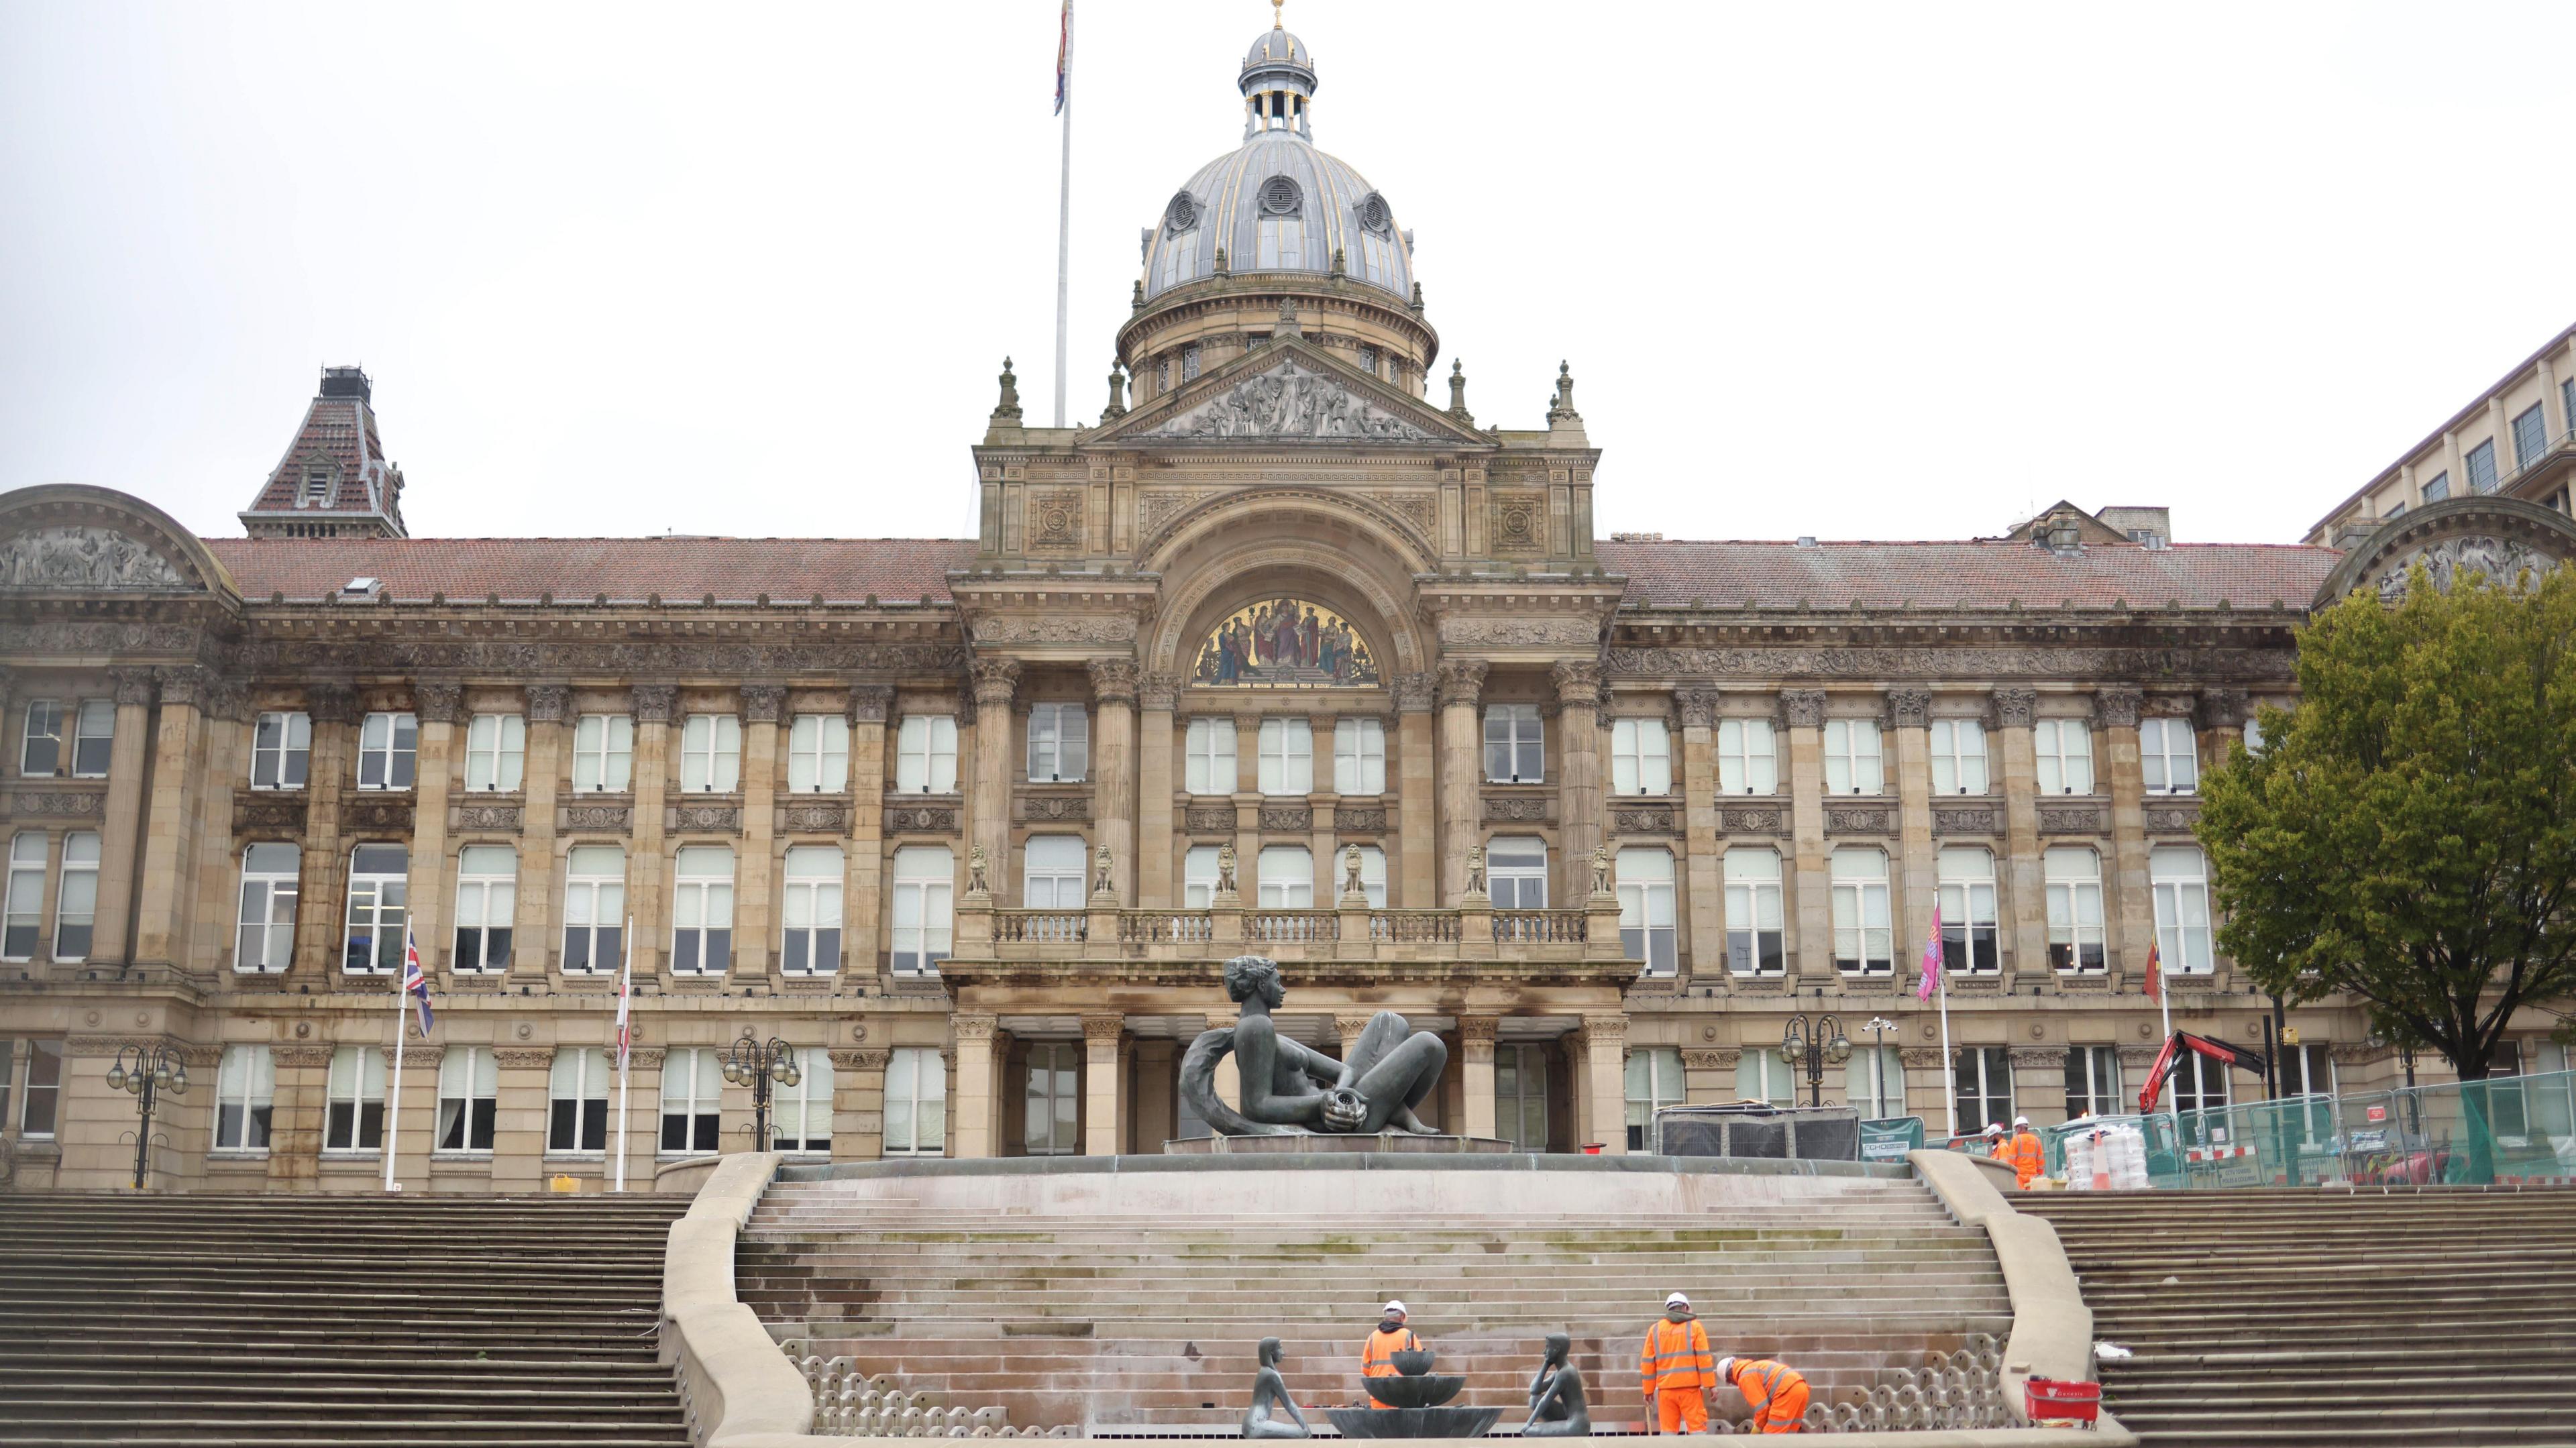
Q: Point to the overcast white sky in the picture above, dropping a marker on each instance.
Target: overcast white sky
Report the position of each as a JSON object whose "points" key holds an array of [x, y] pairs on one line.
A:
{"points": [[1858, 270]]}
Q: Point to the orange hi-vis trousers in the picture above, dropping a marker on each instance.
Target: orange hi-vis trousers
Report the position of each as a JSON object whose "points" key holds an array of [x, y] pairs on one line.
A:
{"points": [[1682, 1410], [1778, 1394]]}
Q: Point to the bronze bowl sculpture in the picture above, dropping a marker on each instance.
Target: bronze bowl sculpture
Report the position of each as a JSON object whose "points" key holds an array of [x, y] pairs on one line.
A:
{"points": [[1413, 1405]]}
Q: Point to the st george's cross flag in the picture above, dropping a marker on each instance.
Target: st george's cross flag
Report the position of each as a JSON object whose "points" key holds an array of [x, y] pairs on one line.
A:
{"points": [[415, 981]]}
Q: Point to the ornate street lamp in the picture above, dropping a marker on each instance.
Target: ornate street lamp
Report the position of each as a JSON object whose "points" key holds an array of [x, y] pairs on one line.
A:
{"points": [[152, 1071], [1878, 1027], [756, 1063], [1816, 1044]]}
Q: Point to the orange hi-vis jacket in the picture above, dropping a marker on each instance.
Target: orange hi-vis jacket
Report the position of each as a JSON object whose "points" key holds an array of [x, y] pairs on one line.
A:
{"points": [[2027, 1156], [1676, 1355], [1777, 1391], [1377, 1356]]}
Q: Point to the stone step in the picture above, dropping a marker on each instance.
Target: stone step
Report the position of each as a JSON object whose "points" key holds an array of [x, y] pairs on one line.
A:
{"points": [[293, 1427]]}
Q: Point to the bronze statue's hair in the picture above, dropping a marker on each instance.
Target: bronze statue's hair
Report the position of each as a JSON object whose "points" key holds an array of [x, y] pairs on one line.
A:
{"points": [[1246, 974]]}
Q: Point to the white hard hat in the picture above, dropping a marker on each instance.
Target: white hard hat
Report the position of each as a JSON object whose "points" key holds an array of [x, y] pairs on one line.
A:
{"points": [[1394, 1305], [2021, 1121], [1677, 1300], [1994, 1128], [1726, 1370]]}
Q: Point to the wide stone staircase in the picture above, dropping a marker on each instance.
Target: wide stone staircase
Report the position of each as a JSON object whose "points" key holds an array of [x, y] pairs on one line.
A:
{"points": [[2318, 1316], [207, 1319], [1127, 1325]]}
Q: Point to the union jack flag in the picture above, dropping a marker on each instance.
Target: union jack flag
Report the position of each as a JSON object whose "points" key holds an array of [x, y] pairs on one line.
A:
{"points": [[415, 981]]}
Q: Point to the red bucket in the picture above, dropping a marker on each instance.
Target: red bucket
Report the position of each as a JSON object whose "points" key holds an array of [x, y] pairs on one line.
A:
{"points": [[1592, 1148], [2050, 1400]]}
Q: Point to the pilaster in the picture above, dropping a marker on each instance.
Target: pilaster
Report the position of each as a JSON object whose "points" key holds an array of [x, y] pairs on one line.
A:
{"points": [[1151, 863], [1910, 711], [2130, 902], [170, 846], [1703, 853], [649, 864], [1104, 1084], [1604, 1054], [1413, 872], [1462, 683], [1579, 789], [1476, 1062], [121, 827], [434, 707], [320, 906], [993, 682], [539, 935], [1113, 762], [755, 921], [858, 1100], [973, 1126], [1811, 900], [2025, 904], [864, 910]]}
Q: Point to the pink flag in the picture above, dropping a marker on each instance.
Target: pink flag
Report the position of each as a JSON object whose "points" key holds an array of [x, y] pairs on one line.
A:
{"points": [[1931, 958]]}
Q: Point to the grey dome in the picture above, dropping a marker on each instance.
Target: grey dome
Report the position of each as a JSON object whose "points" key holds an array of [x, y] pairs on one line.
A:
{"points": [[1278, 47], [1278, 175]]}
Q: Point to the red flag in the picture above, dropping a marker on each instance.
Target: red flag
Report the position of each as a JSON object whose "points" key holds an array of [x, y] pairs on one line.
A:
{"points": [[1064, 57], [2155, 972]]}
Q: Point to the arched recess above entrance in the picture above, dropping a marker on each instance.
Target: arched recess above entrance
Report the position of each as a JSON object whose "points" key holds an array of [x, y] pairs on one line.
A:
{"points": [[1301, 545]]}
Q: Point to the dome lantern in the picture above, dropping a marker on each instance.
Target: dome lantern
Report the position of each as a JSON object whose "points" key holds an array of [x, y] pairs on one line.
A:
{"points": [[1278, 81]]}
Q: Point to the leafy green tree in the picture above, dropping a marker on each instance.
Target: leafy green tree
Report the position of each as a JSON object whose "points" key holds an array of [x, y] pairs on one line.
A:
{"points": [[2407, 834]]}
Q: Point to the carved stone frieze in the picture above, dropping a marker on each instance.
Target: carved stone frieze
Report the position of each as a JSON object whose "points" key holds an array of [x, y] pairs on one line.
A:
{"points": [[434, 701], [268, 812], [551, 658], [702, 819], [2072, 819], [1753, 819], [922, 819], [1416, 693], [59, 804], [1697, 707], [1604, 1030], [1526, 633], [300, 1058], [519, 1058], [1519, 809], [2502, 560], [1921, 1058], [1967, 819], [860, 1058], [594, 818], [2035, 1058], [972, 1026], [1860, 819], [376, 814], [1287, 818], [1057, 628], [99, 637], [2172, 817], [1873, 661], [547, 702], [1209, 819], [502, 818], [644, 1058], [1803, 708], [2222, 709], [1711, 1058], [1053, 808], [1645, 819], [1909, 708], [76, 557], [814, 817], [1360, 819], [1290, 400]]}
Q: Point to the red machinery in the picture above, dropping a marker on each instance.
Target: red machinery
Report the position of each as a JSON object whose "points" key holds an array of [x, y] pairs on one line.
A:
{"points": [[2218, 1051]]}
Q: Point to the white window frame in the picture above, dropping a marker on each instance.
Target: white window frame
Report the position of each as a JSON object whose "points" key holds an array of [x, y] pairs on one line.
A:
{"points": [[1752, 897], [354, 1087], [2199, 1084], [916, 1103], [818, 754], [1373, 875], [2178, 877], [1982, 1074], [1653, 1080], [1863, 911], [594, 911], [1059, 743], [470, 1077], [44, 1089], [809, 939], [1515, 744], [30, 855], [1971, 921], [93, 738], [1748, 757], [496, 753], [1058, 1059], [793, 1108], [1526, 877], [1286, 878], [2064, 751], [487, 908], [245, 1101], [1051, 873], [76, 897], [1207, 749], [43, 725], [2074, 909], [1648, 931], [1287, 758], [280, 890], [1641, 757], [2169, 756], [693, 1095], [925, 754], [711, 754], [1359, 757], [281, 749], [2093, 1081], [379, 900], [1958, 757], [925, 884], [1855, 759], [702, 910], [603, 754], [1198, 877], [1760, 1075], [388, 752], [585, 1085]]}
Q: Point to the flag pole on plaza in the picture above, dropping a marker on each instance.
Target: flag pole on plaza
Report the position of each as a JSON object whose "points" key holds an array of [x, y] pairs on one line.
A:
{"points": [[1935, 982], [625, 1035], [2156, 984], [413, 984], [1064, 199]]}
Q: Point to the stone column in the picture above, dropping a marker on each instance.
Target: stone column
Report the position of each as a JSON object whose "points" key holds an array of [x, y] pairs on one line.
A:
{"points": [[1104, 1086], [1113, 763], [864, 910], [434, 705], [1476, 1074], [1910, 711], [2222, 723], [1247, 809], [171, 844], [320, 908], [1580, 809], [1413, 874], [650, 865], [858, 1103], [2039, 1084], [1708, 1074], [972, 1130], [1150, 870], [1811, 903], [1462, 797], [1703, 850], [988, 798], [295, 1114], [2128, 906], [520, 1080], [2024, 906], [538, 939], [121, 827], [755, 921], [1605, 1083]]}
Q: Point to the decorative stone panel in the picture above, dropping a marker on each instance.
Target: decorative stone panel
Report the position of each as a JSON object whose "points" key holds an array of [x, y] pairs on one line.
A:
{"points": [[1753, 819], [1803, 708], [1209, 819], [1416, 693], [869, 703], [910, 818], [2073, 819], [595, 818], [814, 817], [1362, 819], [65, 804], [1287, 818], [702, 819], [1646, 819], [1519, 520], [862, 1058], [761, 703], [1967, 819], [1054, 808], [1697, 707], [1860, 819], [1055, 518], [2116, 706], [546, 703], [2173, 817], [1519, 809], [2015, 708], [1721, 1058], [481, 815], [387, 813], [1909, 708]]}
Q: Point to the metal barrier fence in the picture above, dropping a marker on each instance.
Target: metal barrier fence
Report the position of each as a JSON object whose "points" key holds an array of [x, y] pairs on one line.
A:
{"points": [[2508, 1129]]}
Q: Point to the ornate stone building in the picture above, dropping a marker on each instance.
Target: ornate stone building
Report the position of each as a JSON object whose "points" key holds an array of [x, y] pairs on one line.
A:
{"points": [[1284, 658]]}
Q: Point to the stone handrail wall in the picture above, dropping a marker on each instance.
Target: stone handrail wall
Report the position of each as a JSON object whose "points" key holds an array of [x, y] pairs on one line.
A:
{"points": [[740, 1391]]}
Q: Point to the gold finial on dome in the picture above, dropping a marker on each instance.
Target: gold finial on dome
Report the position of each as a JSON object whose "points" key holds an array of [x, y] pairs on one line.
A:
{"points": [[1278, 10]]}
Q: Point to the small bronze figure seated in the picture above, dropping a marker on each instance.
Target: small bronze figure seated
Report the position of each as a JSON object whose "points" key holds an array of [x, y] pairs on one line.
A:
{"points": [[1557, 1405], [1270, 1396]]}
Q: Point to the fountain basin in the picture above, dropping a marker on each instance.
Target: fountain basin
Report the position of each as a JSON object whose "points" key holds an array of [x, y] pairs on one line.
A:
{"points": [[1413, 1422]]}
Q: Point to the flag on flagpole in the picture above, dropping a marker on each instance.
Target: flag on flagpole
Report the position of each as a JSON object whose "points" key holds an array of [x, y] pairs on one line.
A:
{"points": [[2155, 971], [1931, 958], [625, 999], [1064, 56], [415, 980]]}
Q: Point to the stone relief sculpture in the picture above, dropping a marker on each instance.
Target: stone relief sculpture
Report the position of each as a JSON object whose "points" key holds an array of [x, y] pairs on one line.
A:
{"points": [[2501, 560], [1351, 882], [1269, 1397], [976, 867], [1289, 1089], [1225, 869], [1101, 881], [1558, 1408], [77, 557], [1289, 401]]}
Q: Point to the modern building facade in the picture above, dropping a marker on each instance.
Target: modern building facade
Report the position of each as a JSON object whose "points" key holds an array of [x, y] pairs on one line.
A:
{"points": [[1285, 658], [2516, 440]]}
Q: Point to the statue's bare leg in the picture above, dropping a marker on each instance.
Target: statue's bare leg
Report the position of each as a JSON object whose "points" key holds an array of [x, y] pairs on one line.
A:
{"points": [[1401, 1080]]}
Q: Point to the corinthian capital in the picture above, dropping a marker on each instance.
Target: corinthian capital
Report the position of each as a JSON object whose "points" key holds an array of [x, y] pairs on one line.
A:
{"points": [[2116, 707], [1698, 707], [1462, 681], [653, 702], [1803, 708], [995, 681], [2016, 708], [1114, 681], [1578, 681], [1416, 693]]}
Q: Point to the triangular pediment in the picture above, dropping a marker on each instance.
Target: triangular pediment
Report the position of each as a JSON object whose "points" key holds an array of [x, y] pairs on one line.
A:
{"points": [[1293, 394]]}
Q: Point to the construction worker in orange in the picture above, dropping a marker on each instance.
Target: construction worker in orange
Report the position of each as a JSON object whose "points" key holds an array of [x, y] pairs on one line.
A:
{"points": [[1996, 1141], [2028, 1157], [1777, 1391], [1677, 1369], [1377, 1355]]}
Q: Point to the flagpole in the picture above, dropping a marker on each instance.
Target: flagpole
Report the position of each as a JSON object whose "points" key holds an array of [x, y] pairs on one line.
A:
{"points": [[1950, 1062], [625, 985], [1064, 220], [393, 1099]]}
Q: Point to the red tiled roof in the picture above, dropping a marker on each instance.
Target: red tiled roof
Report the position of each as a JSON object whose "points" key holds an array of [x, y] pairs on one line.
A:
{"points": [[1972, 574], [341, 430], [735, 570]]}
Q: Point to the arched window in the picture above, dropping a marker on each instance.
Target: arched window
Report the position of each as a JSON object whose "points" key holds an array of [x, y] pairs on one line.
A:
{"points": [[702, 911], [1864, 940], [594, 909], [373, 941], [487, 895], [1968, 924], [811, 942], [2073, 875], [1755, 937]]}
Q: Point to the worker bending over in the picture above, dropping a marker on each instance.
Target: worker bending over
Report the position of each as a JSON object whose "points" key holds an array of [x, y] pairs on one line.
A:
{"points": [[1677, 1369], [1777, 1392], [1377, 1355], [2027, 1157]]}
